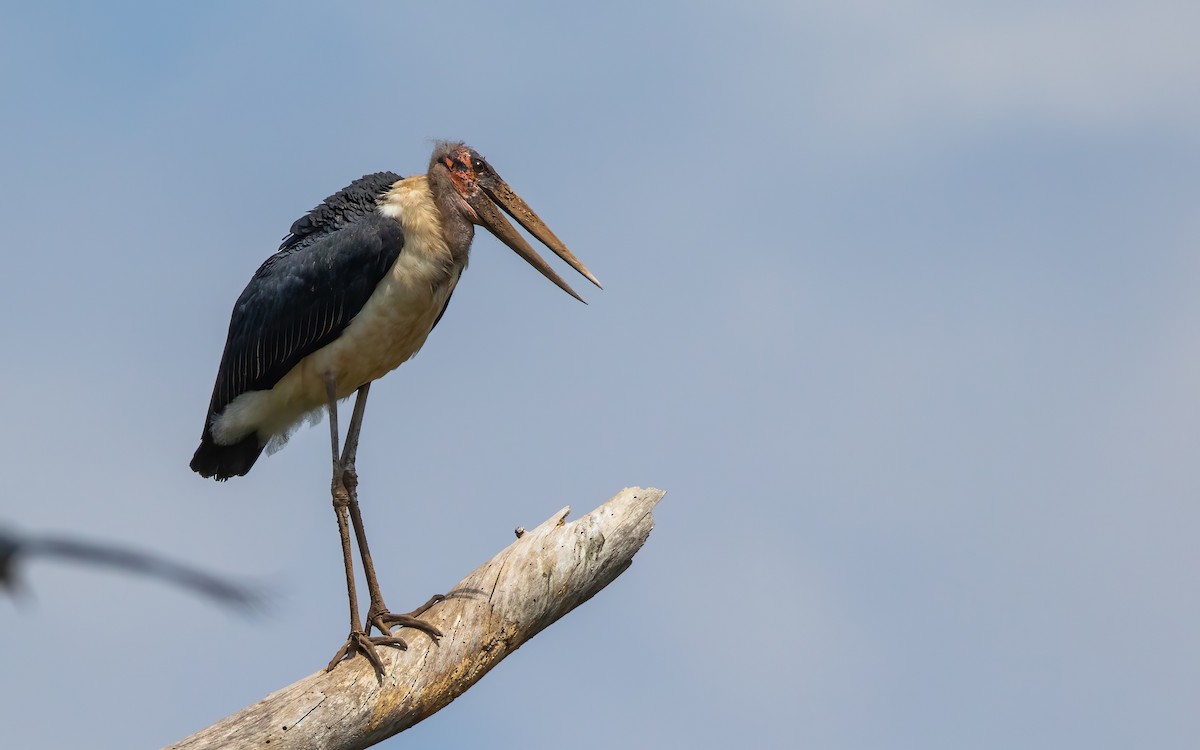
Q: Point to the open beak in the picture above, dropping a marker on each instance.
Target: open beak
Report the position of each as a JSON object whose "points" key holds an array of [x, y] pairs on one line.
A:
{"points": [[496, 192]]}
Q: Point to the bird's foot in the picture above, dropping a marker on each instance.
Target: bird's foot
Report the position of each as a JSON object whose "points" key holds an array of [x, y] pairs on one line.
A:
{"points": [[360, 643], [379, 617]]}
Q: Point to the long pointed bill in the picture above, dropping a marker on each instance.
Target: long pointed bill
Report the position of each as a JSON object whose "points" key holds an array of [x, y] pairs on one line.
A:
{"points": [[506, 233], [515, 207], [504, 197]]}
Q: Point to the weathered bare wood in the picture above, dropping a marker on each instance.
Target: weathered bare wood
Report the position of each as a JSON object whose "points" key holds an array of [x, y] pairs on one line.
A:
{"points": [[539, 578]]}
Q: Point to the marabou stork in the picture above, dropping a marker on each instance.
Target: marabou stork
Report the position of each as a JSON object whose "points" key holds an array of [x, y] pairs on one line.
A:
{"points": [[352, 293]]}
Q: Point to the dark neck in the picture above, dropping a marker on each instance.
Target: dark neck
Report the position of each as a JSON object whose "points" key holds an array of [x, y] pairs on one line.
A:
{"points": [[457, 229]]}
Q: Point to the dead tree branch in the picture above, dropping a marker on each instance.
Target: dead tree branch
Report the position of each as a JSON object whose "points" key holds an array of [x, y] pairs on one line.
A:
{"points": [[539, 578]]}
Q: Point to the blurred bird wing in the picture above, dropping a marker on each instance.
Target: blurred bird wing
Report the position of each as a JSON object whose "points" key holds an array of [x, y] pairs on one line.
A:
{"points": [[143, 563]]}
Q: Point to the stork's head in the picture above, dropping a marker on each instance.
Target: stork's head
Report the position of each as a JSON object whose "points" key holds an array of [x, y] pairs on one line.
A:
{"points": [[481, 190]]}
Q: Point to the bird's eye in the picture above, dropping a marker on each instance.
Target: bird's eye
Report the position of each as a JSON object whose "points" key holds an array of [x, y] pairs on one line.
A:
{"points": [[477, 164]]}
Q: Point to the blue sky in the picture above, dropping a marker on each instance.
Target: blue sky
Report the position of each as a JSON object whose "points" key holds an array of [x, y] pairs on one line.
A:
{"points": [[899, 307]]}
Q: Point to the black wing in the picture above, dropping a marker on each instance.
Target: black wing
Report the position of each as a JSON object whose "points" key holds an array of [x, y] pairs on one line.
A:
{"points": [[299, 300], [355, 200]]}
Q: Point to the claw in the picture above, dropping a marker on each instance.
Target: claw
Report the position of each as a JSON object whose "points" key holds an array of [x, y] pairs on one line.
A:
{"points": [[385, 623], [342, 653], [361, 643], [380, 618]]}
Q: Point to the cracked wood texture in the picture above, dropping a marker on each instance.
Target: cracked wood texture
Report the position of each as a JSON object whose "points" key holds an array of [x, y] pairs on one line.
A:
{"points": [[537, 579]]}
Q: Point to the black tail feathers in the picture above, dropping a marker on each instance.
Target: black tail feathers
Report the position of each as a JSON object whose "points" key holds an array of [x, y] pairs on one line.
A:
{"points": [[221, 462]]}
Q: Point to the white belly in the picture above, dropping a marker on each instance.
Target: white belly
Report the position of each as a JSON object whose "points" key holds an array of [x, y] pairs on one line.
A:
{"points": [[388, 331]]}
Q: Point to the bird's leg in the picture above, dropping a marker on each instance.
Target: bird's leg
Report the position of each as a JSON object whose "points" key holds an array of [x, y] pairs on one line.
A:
{"points": [[378, 615], [358, 640]]}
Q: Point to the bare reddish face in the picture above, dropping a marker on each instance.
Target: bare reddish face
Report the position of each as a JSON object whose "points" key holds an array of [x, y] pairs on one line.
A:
{"points": [[461, 173]]}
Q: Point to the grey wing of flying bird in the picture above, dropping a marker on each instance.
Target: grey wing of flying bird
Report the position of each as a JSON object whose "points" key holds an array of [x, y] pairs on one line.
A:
{"points": [[15, 548]]}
